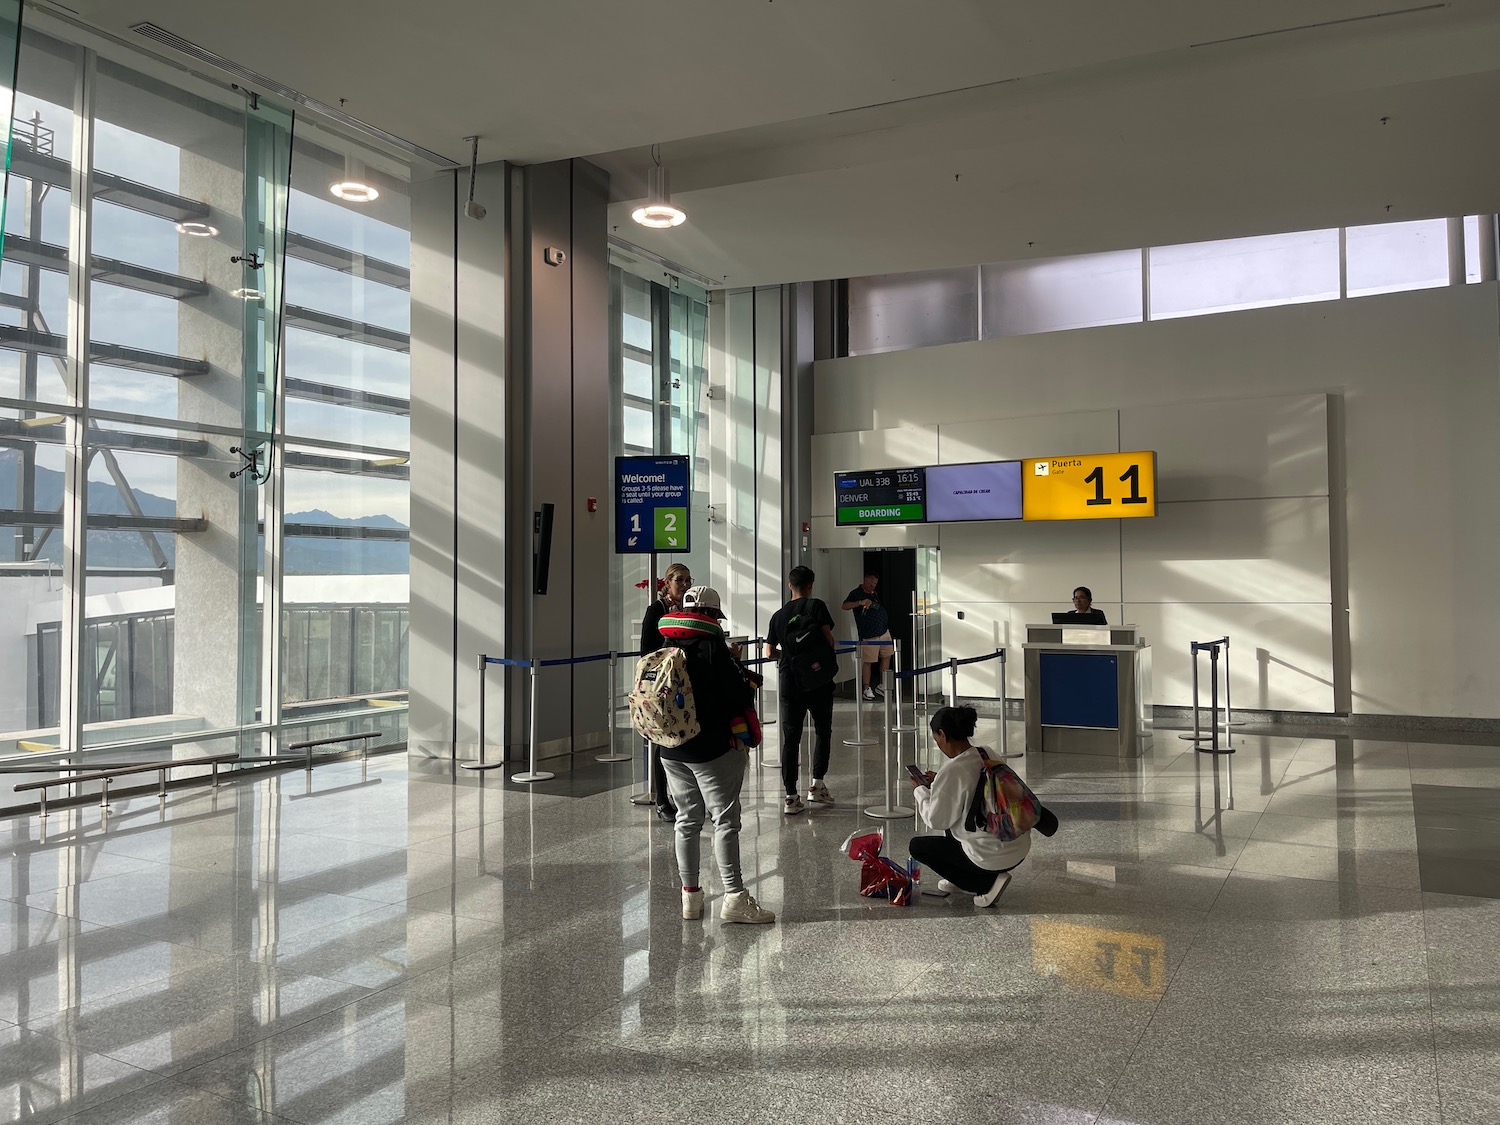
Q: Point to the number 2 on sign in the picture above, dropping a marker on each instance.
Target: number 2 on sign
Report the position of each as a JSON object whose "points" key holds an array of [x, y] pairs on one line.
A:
{"points": [[1131, 475], [669, 521]]}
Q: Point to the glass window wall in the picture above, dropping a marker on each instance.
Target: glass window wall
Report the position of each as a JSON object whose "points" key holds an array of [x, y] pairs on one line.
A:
{"points": [[242, 461]]}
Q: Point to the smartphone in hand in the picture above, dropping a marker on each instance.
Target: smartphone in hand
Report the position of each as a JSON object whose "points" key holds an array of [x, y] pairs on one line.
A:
{"points": [[916, 774]]}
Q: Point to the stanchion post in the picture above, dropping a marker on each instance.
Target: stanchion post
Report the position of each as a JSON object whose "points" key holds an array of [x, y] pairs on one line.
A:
{"points": [[1213, 701], [1228, 714], [1004, 725], [891, 810], [953, 683], [484, 692], [533, 774], [1213, 695], [859, 738], [484, 667], [1195, 736], [614, 683]]}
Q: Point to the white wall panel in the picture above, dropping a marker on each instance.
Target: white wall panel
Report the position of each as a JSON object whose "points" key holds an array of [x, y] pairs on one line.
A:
{"points": [[873, 449], [1229, 551], [1280, 655], [1233, 449], [1014, 561], [1009, 439], [826, 533], [1414, 405]]}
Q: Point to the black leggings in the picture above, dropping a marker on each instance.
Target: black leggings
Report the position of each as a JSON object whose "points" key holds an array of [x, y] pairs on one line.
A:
{"points": [[945, 856], [797, 706]]}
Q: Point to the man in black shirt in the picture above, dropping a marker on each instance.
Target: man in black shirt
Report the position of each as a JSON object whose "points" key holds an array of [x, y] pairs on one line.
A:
{"points": [[873, 624], [800, 638]]}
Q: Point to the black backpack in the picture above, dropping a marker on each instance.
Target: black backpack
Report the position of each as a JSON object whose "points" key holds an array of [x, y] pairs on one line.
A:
{"points": [[806, 648]]}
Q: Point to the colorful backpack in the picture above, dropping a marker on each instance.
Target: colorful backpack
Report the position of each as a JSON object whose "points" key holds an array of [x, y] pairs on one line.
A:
{"points": [[661, 702], [1003, 804]]}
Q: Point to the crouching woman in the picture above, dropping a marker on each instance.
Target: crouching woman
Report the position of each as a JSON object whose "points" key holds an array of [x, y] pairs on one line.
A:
{"points": [[965, 859]]}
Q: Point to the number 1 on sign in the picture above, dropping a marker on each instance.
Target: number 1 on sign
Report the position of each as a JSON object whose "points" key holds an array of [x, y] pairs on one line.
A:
{"points": [[1096, 478], [635, 522]]}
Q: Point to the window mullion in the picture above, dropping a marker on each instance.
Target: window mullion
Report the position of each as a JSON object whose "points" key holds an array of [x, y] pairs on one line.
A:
{"points": [[75, 482]]}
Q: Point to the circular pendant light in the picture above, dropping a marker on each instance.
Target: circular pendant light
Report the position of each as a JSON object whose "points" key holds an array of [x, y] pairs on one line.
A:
{"points": [[354, 188], [658, 211]]}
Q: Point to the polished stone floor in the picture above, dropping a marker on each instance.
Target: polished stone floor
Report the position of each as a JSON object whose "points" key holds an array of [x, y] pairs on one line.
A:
{"points": [[1306, 932]]}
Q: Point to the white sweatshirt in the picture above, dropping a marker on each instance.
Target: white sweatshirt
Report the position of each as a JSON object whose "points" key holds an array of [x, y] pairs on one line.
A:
{"points": [[945, 805]]}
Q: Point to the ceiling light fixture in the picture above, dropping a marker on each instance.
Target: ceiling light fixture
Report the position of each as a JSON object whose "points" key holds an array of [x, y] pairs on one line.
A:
{"points": [[658, 210], [353, 188], [197, 230]]}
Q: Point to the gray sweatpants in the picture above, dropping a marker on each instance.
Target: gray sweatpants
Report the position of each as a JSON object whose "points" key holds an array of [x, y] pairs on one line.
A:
{"points": [[715, 787]]}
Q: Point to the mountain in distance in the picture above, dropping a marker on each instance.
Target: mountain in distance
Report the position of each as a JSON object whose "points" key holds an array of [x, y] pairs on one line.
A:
{"points": [[128, 548]]}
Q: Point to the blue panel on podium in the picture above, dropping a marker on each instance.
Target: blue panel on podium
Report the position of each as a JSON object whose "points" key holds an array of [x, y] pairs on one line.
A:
{"points": [[1080, 689]]}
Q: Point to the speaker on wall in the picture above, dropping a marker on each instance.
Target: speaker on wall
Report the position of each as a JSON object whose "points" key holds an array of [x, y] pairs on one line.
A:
{"points": [[541, 557]]}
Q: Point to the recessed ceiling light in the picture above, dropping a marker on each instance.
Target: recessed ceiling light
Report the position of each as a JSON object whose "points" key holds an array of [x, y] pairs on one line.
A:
{"points": [[354, 191], [197, 230], [246, 294]]}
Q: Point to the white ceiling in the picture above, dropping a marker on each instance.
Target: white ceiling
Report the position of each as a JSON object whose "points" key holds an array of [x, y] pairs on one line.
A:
{"points": [[822, 138]]}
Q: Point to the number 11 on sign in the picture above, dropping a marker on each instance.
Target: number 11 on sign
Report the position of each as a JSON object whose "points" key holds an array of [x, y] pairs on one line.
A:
{"points": [[1132, 476]]}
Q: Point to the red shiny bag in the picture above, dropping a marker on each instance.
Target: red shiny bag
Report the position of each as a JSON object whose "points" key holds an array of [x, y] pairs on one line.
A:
{"points": [[879, 876]]}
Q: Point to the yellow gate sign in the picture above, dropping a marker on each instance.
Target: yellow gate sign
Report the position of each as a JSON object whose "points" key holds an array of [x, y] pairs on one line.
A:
{"points": [[1089, 486], [1118, 961]]}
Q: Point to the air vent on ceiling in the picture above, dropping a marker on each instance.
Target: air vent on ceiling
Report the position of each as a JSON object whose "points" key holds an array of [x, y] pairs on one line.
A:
{"points": [[264, 85]]}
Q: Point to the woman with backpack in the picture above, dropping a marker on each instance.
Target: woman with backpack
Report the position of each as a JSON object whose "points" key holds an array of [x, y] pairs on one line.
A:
{"points": [[674, 584], [968, 856], [706, 771]]}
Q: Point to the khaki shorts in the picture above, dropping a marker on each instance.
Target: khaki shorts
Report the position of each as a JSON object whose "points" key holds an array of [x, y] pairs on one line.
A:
{"points": [[870, 654]]}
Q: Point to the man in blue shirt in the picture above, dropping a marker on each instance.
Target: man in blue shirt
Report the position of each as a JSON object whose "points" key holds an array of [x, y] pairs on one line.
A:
{"points": [[873, 624]]}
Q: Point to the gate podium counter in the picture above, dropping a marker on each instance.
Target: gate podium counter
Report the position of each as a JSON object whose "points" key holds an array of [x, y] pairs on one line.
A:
{"points": [[1088, 690]]}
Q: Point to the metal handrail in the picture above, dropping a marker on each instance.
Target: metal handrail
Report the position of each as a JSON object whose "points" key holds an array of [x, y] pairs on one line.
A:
{"points": [[163, 768]]}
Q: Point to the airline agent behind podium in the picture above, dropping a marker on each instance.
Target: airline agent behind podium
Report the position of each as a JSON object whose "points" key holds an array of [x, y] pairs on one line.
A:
{"points": [[1083, 610]]}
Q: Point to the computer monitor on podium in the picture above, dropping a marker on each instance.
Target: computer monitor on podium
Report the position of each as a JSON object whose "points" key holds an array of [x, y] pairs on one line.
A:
{"points": [[1089, 617]]}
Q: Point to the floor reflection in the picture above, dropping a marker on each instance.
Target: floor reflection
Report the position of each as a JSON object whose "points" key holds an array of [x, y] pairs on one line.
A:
{"points": [[1299, 926]]}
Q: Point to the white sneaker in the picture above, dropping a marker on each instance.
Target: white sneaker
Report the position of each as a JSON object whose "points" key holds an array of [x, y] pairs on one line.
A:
{"points": [[997, 889], [868, 695], [817, 794], [943, 885], [792, 805], [879, 691], [741, 907], [692, 904]]}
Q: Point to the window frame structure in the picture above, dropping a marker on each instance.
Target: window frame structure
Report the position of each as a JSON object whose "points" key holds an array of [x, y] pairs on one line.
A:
{"points": [[89, 436]]}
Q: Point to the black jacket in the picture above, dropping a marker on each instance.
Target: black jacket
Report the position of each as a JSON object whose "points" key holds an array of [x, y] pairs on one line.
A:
{"points": [[720, 692], [651, 638]]}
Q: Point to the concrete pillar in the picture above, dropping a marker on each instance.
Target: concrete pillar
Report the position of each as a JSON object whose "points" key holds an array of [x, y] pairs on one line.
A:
{"points": [[207, 657], [564, 303], [437, 683]]}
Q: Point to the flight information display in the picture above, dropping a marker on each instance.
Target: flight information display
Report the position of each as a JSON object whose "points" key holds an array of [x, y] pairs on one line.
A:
{"points": [[981, 490], [880, 496]]}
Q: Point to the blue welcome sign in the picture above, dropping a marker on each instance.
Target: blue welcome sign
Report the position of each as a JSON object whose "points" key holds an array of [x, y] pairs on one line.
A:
{"points": [[652, 502]]}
